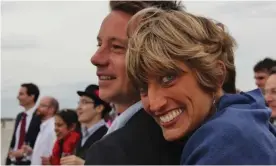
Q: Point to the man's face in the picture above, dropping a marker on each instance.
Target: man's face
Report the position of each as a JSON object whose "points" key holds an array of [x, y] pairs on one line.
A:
{"points": [[270, 94], [24, 98], [260, 78], [44, 107], [86, 110], [109, 59]]}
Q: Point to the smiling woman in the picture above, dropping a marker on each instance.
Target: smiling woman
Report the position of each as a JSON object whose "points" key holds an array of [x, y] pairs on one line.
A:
{"points": [[180, 62]]}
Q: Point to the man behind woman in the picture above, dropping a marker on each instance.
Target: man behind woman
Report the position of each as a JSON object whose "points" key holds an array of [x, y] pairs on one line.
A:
{"points": [[179, 65]]}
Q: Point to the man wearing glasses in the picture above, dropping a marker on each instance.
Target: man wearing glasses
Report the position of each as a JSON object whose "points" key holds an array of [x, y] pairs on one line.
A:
{"points": [[91, 111], [47, 108]]}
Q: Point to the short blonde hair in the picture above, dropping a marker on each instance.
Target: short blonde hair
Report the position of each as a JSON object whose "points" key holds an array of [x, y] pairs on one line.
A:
{"points": [[158, 38]]}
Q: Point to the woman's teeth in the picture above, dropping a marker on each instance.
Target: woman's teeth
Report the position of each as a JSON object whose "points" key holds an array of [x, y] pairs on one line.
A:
{"points": [[170, 115]]}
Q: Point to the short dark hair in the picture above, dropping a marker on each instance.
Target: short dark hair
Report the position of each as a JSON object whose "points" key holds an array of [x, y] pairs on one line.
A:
{"points": [[229, 86], [107, 107], [70, 117], [272, 70], [132, 7], [264, 65], [32, 89]]}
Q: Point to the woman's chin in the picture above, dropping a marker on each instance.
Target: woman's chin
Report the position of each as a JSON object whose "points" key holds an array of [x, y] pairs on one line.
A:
{"points": [[172, 134]]}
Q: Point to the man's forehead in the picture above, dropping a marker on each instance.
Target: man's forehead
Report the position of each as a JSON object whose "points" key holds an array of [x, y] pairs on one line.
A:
{"points": [[46, 99], [114, 26], [113, 38], [23, 89], [261, 74]]}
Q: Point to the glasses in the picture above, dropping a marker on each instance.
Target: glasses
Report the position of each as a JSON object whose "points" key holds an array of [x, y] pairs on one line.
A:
{"points": [[84, 102]]}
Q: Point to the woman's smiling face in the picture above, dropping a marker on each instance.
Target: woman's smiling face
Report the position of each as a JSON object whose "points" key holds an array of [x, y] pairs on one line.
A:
{"points": [[176, 102]]}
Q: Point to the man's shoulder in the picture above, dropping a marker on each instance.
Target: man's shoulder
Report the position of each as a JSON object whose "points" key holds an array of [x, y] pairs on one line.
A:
{"points": [[140, 141]]}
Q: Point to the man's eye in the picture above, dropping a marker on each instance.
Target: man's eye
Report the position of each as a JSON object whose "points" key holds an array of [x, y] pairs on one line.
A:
{"points": [[117, 47], [143, 91]]}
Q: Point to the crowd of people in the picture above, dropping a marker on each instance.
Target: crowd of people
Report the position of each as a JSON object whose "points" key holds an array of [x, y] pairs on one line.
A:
{"points": [[166, 96]]}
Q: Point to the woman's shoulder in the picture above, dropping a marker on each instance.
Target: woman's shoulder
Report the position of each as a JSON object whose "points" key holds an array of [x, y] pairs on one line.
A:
{"points": [[229, 137]]}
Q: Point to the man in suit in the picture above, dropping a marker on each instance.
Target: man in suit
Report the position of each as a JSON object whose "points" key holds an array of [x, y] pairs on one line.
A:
{"points": [[26, 125], [91, 112], [134, 138]]}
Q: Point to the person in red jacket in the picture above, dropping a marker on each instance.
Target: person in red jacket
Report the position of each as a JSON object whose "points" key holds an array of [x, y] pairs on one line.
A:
{"points": [[67, 131]]}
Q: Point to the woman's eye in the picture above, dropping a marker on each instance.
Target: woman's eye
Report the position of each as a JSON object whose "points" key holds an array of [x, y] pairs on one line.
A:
{"points": [[167, 79]]}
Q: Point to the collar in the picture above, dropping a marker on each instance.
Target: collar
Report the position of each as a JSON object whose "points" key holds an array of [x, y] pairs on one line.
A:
{"points": [[30, 111], [124, 117], [46, 122], [92, 129]]}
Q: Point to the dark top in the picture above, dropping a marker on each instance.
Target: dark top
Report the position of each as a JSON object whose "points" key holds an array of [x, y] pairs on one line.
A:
{"points": [[238, 133], [97, 135], [139, 142], [30, 137]]}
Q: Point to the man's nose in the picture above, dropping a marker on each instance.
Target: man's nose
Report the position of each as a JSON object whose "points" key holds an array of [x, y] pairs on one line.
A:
{"points": [[100, 57]]}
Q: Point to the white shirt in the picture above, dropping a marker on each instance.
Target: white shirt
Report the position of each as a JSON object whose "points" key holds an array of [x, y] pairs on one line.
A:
{"points": [[86, 133], [121, 120], [44, 142], [28, 121]]}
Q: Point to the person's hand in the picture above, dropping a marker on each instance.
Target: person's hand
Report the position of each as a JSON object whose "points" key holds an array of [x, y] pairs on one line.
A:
{"points": [[45, 160], [27, 149], [17, 154], [71, 160]]}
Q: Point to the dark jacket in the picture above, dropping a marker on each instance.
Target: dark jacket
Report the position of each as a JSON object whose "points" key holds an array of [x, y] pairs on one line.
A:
{"points": [[30, 137], [239, 133], [139, 142], [97, 135]]}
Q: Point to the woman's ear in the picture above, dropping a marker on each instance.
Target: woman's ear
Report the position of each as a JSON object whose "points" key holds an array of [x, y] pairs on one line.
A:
{"points": [[222, 73]]}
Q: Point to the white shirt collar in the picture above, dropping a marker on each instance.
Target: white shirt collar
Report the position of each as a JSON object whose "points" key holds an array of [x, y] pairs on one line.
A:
{"points": [[46, 122], [93, 128], [30, 111], [124, 117]]}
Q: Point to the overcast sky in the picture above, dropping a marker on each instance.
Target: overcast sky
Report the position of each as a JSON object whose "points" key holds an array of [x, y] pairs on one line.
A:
{"points": [[50, 44]]}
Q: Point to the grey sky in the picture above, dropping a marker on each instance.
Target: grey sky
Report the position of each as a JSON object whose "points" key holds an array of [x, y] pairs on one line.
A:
{"points": [[50, 43]]}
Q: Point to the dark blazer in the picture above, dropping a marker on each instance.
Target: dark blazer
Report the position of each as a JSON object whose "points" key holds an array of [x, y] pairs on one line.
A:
{"points": [[139, 142], [97, 135], [30, 135]]}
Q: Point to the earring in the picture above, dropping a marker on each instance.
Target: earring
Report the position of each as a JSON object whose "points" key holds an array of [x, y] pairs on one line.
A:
{"points": [[214, 102]]}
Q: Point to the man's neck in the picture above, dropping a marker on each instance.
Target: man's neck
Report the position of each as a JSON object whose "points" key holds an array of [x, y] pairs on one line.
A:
{"points": [[28, 107], [92, 122], [120, 108], [46, 118]]}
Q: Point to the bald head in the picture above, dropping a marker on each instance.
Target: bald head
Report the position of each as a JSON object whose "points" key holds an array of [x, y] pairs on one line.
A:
{"points": [[48, 106]]}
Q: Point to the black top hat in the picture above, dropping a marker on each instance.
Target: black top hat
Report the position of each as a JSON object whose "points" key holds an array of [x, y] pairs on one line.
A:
{"points": [[92, 91]]}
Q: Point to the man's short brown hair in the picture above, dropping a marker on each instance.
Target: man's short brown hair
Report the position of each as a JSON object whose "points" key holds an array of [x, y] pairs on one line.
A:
{"points": [[132, 7]]}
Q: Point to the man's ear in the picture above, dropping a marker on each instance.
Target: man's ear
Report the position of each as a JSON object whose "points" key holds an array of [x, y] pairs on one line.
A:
{"points": [[99, 108], [33, 97]]}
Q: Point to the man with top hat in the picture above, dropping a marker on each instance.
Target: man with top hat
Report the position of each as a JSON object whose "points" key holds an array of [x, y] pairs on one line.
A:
{"points": [[91, 111]]}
